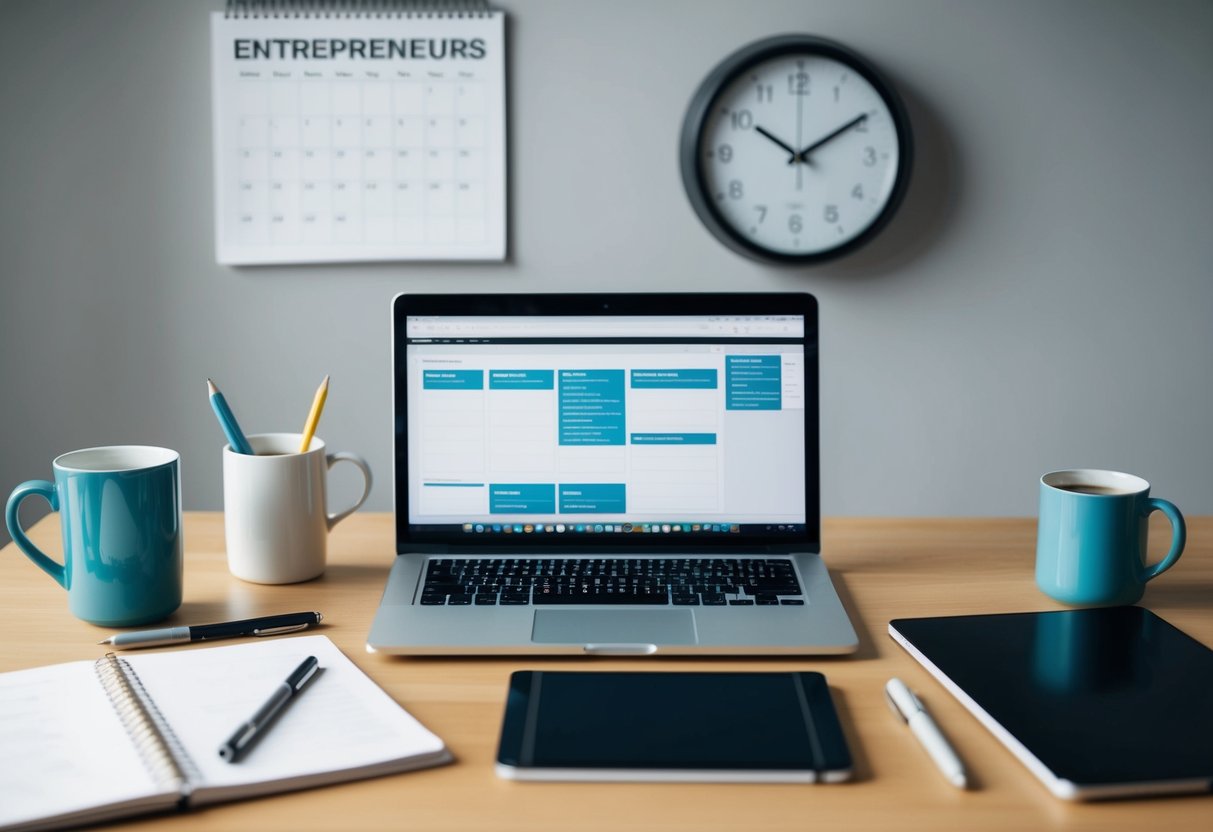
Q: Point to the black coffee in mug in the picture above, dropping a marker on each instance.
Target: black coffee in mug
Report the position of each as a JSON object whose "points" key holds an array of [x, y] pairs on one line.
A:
{"points": [[1105, 490]]}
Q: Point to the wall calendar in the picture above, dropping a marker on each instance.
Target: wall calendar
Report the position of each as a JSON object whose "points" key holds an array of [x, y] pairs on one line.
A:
{"points": [[358, 132]]}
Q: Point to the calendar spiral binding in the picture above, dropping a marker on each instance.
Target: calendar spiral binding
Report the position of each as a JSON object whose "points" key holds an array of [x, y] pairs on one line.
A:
{"points": [[156, 743], [354, 9]]}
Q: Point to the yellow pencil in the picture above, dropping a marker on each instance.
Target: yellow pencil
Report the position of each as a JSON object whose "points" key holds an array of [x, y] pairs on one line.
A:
{"points": [[313, 418]]}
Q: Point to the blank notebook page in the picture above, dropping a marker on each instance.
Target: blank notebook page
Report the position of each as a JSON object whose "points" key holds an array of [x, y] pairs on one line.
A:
{"points": [[340, 721]]}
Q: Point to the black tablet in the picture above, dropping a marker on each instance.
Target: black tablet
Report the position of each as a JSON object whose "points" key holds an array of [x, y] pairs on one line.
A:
{"points": [[1110, 702], [672, 726]]}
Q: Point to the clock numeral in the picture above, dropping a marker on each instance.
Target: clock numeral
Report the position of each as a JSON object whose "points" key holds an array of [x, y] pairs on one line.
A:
{"points": [[869, 156], [795, 224], [725, 153], [831, 213], [836, 95], [741, 119], [857, 192], [762, 212], [798, 83], [735, 189], [766, 92]]}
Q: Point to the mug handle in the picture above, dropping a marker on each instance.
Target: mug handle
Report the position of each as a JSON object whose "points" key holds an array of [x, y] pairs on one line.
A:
{"points": [[1179, 536], [346, 456], [28, 489]]}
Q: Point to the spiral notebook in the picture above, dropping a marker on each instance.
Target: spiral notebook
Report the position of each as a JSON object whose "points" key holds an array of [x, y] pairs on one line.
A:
{"points": [[86, 742], [357, 130]]}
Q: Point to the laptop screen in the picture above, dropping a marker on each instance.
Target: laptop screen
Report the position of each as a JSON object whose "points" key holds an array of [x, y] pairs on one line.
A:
{"points": [[600, 420]]}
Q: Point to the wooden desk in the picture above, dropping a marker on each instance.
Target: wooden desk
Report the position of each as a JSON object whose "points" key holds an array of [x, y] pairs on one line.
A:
{"points": [[883, 569]]}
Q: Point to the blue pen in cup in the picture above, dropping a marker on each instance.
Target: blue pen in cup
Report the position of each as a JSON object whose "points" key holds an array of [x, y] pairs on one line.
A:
{"points": [[227, 421]]}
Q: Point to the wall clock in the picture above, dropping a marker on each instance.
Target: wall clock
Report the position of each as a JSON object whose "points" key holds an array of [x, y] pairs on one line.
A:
{"points": [[795, 150]]}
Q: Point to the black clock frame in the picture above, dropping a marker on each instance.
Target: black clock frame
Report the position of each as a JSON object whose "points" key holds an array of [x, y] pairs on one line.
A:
{"points": [[702, 103]]}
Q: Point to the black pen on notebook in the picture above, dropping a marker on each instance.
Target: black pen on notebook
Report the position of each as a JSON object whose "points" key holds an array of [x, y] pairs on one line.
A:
{"points": [[244, 737], [270, 625]]}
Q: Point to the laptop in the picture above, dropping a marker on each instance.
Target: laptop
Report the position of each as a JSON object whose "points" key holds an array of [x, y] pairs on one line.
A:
{"points": [[607, 474]]}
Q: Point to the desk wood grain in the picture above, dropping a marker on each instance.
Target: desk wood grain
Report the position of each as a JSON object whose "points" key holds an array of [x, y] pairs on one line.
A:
{"points": [[883, 569]]}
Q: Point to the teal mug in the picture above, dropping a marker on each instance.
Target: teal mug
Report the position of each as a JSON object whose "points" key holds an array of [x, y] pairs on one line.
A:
{"points": [[1091, 537], [120, 512]]}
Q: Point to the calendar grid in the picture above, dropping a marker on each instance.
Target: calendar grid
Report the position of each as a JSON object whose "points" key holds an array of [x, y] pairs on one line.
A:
{"points": [[358, 159]]}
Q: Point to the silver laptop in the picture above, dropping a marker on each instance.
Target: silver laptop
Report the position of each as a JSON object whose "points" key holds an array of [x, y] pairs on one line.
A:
{"points": [[629, 474]]}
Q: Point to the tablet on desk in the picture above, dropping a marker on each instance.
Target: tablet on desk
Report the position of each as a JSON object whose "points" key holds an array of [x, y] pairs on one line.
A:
{"points": [[672, 726], [1097, 703]]}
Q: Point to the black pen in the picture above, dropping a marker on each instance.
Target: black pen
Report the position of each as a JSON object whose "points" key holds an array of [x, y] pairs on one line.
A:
{"points": [[246, 734], [270, 625]]}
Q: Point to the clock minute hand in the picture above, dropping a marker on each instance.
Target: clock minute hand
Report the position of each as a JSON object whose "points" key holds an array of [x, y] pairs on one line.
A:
{"points": [[803, 156], [791, 150]]}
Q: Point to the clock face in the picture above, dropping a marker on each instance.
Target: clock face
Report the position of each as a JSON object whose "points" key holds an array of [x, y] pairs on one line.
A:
{"points": [[798, 155]]}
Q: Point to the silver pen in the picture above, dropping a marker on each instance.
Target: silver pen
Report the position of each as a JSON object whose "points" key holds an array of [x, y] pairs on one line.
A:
{"points": [[908, 706]]}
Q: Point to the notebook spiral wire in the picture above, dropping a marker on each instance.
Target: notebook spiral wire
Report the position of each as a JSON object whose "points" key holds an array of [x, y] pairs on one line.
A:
{"points": [[156, 743]]}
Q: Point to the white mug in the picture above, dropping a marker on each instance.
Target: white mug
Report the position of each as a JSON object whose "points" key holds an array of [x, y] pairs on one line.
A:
{"points": [[275, 512]]}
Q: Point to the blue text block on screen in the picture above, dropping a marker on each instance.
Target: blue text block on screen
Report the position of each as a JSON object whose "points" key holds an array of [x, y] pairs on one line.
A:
{"points": [[522, 498], [673, 439], [693, 379], [522, 379], [453, 379], [591, 407], [753, 382], [593, 498]]}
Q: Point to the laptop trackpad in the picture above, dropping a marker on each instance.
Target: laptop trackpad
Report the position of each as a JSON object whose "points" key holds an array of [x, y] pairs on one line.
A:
{"points": [[614, 627]]}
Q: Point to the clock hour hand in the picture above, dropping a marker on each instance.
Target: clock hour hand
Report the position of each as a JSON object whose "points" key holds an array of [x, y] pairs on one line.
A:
{"points": [[803, 156], [791, 150]]}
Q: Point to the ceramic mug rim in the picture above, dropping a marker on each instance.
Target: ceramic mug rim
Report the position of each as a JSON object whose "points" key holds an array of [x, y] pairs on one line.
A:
{"points": [[1126, 485], [280, 446], [115, 459]]}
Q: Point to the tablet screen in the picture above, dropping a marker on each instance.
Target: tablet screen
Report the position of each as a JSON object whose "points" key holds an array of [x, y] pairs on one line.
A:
{"points": [[1100, 696], [670, 720]]}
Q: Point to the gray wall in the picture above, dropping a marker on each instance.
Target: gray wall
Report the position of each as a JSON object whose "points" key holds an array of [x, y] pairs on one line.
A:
{"points": [[1042, 300]]}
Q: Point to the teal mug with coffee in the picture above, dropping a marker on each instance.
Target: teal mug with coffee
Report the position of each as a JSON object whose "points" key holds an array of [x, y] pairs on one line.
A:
{"points": [[120, 513], [1091, 536]]}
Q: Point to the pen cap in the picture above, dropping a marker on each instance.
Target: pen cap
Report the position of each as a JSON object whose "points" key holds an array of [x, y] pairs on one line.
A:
{"points": [[902, 699]]}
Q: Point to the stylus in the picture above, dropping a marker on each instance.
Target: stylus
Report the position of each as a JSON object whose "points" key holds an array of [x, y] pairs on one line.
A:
{"points": [[907, 706]]}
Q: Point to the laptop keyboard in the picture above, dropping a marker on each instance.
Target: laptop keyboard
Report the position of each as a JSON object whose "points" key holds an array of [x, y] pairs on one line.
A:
{"points": [[651, 581]]}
